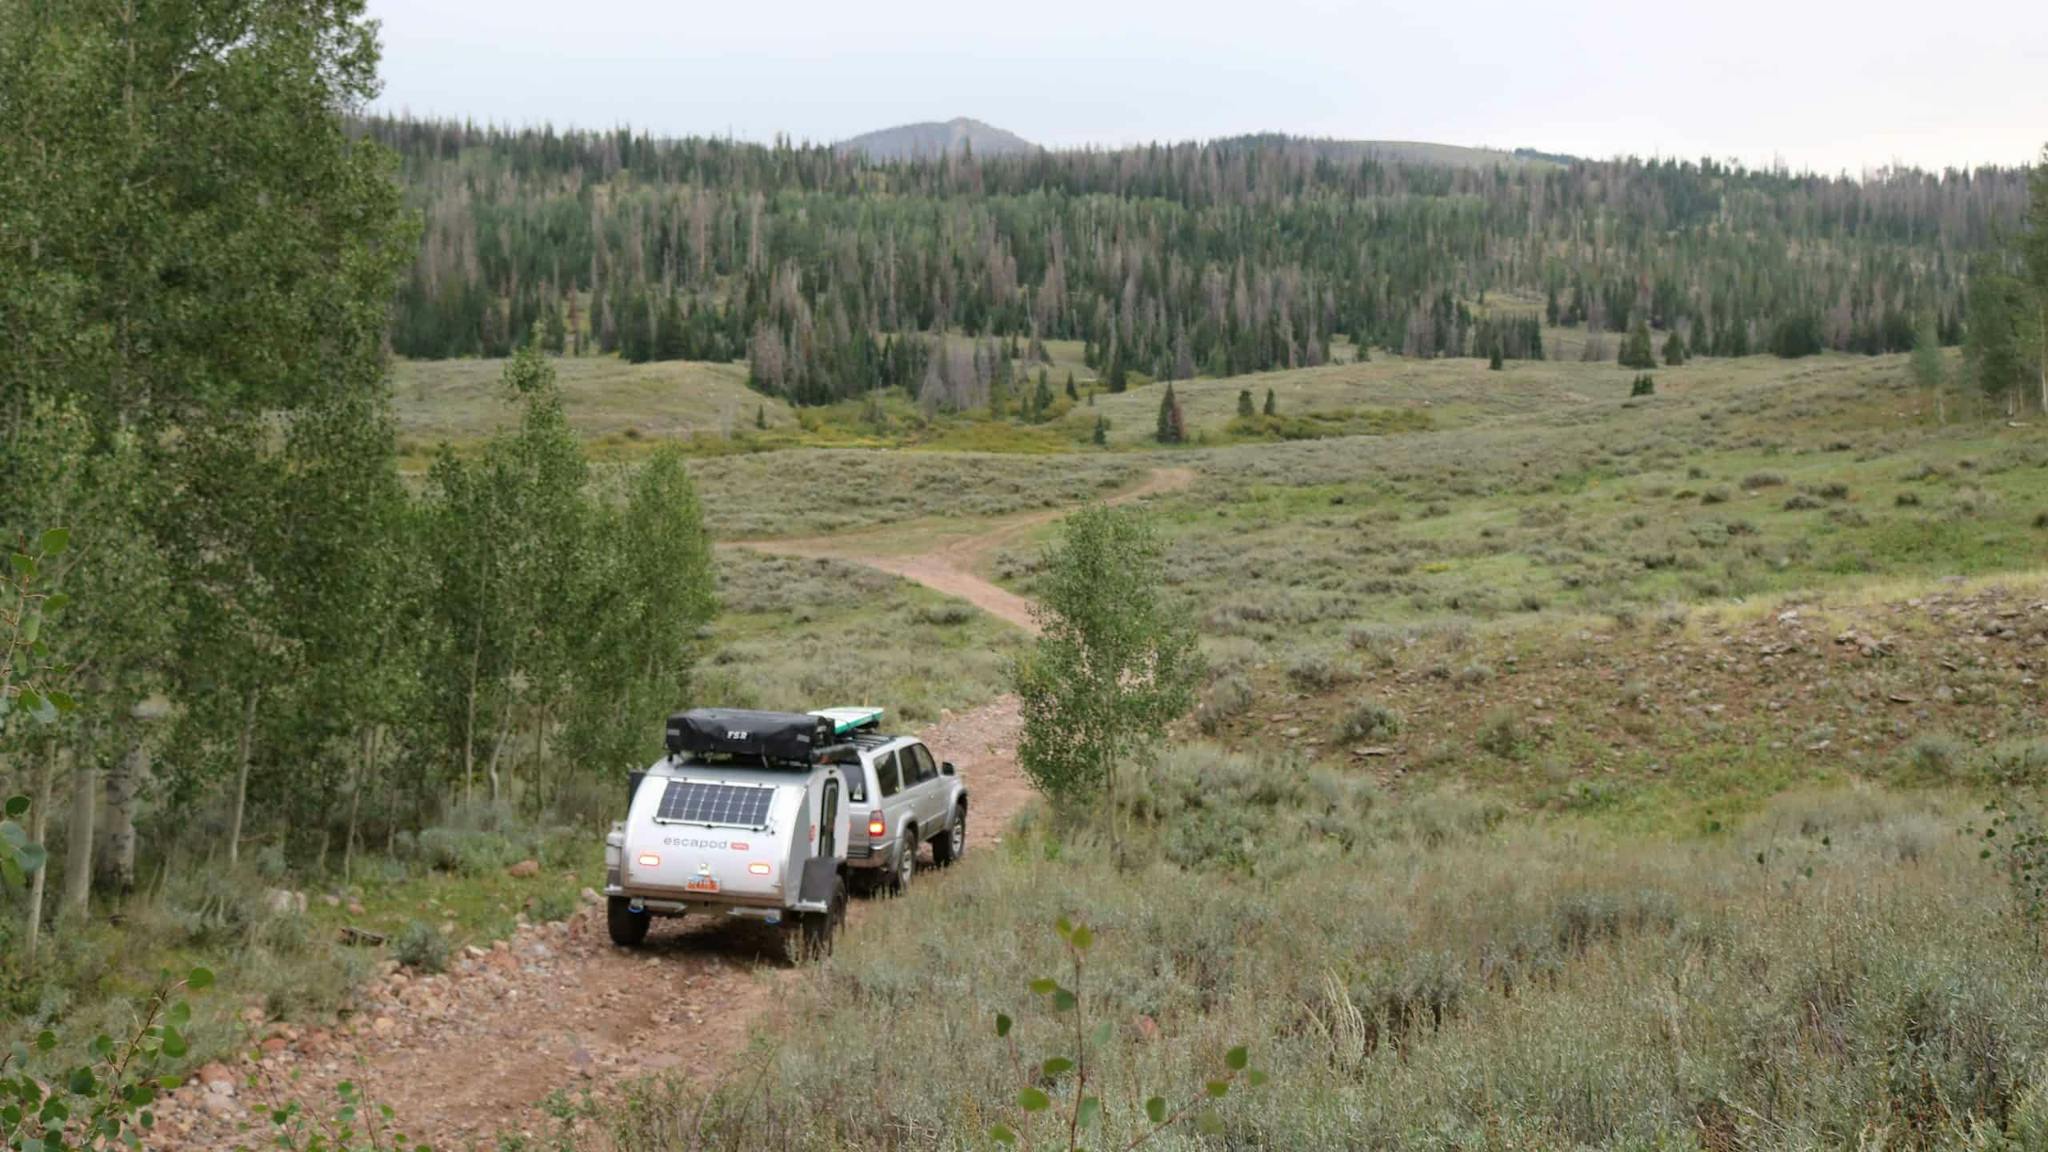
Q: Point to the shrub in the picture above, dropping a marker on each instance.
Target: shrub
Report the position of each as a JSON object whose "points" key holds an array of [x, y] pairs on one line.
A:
{"points": [[551, 905], [421, 947], [2017, 763], [214, 907], [944, 614], [1935, 755], [1315, 672], [1502, 734], [1226, 698], [1382, 644], [1801, 502], [1907, 500], [1474, 674], [1757, 480], [1366, 721]]}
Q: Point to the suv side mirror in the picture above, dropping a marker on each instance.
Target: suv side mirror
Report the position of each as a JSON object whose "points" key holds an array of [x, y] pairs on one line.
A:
{"points": [[946, 767]]}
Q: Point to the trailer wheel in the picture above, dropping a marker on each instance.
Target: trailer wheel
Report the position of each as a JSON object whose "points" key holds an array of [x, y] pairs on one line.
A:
{"points": [[952, 844], [628, 928], [809, 935]]}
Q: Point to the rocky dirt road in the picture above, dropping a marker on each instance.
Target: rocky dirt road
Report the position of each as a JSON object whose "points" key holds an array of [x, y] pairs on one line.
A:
{"points": [[955, 567], [557, 1013]]}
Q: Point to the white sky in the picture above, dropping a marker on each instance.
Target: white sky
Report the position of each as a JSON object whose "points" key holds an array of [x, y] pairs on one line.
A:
{"points": [[1828, 86]]}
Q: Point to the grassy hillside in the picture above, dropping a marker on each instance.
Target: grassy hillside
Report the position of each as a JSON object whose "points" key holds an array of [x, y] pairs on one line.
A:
{"points": [[1574, 771], [609, 400]]}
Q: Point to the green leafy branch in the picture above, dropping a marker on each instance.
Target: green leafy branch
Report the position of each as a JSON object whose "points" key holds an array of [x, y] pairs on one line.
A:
{"points": [[358, 1125], [2017, 838], [25, 669], [109, 1098], [1082, 1112], [25, 661]]}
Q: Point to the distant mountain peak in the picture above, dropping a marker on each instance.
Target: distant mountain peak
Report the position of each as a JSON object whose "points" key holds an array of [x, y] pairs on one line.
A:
{"points": [[937, 138]]}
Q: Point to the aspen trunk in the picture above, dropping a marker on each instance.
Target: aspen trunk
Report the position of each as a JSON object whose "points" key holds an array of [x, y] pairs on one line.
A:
{"points": [[243, 752], [38, 830], [123, 780], [538, 776], [497, 752], [469, 720], [355, 803], [85, 787]]}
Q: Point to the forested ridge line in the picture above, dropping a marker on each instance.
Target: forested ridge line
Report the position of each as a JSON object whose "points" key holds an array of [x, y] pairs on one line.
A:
{"points": [[833, 274]]}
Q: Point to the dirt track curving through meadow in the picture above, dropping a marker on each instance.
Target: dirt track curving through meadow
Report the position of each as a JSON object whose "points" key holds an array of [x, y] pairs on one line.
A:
{"points": [[955, 567], [557, 1012]]}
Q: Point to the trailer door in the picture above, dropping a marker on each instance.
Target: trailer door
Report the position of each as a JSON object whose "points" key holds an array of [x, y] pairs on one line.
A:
{"points": [[828, 835]]}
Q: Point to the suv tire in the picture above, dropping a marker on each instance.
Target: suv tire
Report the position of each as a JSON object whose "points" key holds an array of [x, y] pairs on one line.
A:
{"points": [[905, 865], [628, 928], [952, 843]]}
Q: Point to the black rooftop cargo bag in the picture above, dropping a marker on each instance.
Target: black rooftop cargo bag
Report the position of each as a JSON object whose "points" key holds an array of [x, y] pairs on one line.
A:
{"points": [[791, 736]]}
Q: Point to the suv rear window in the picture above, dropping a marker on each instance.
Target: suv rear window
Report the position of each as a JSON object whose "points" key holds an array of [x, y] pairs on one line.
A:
{"points": [[708, 802], [885, 774]]}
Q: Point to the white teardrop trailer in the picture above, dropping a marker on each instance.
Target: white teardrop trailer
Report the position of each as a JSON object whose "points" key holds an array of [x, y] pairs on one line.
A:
{"points": [[750, 815]]}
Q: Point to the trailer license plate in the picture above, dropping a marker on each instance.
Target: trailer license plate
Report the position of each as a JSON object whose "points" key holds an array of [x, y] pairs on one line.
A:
{"points": [[701, 884]]}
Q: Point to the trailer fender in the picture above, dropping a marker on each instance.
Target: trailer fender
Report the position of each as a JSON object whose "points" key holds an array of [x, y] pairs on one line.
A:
{"points": [[820, 877]]}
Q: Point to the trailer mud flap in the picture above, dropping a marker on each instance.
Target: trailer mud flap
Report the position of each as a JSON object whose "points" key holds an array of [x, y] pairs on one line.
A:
{"points": [[821, 876]]}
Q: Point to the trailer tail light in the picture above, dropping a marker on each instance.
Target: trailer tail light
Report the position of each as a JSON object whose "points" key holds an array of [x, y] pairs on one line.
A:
{"points": [[649, 860], [758, 869], [876, 828]]}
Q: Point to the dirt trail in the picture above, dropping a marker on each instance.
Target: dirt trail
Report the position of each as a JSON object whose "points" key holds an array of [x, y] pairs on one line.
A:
{"points": [[557, 1011], [955, 567]]}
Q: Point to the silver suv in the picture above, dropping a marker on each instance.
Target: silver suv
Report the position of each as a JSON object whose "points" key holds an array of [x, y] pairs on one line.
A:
{"points": [[900, 797]]}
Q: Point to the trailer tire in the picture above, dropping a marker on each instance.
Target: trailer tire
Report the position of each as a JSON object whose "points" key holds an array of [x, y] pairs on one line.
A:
{"points": [[809, 935], [628, 928], [952, 843]]}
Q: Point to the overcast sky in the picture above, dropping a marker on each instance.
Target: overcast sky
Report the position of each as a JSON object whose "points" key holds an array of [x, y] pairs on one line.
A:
{"points": [[1828, 86]]}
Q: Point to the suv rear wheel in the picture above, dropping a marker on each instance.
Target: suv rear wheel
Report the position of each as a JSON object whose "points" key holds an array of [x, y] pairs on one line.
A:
{"points": [[952, 844], [906, 863], [628, 928]]}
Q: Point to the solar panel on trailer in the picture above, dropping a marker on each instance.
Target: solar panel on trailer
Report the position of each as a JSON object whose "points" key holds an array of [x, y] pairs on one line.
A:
{"points": [[700, 802]]}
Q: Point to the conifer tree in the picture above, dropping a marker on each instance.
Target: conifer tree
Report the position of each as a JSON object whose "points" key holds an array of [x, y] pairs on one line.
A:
{"points": [[1072, 392], [2035, 250], [1992, 340], [1928, 370], [1272, 403], [1674, 349], [1244, 402], [1636, 350], [1172, 424], [1101, 427]]}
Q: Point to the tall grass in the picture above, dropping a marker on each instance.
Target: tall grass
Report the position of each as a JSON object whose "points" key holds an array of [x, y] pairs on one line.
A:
{"points": [[1841, 972]]}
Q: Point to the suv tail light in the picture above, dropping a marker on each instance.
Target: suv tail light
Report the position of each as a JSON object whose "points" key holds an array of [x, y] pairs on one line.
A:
{"points": [[877, 828]]}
